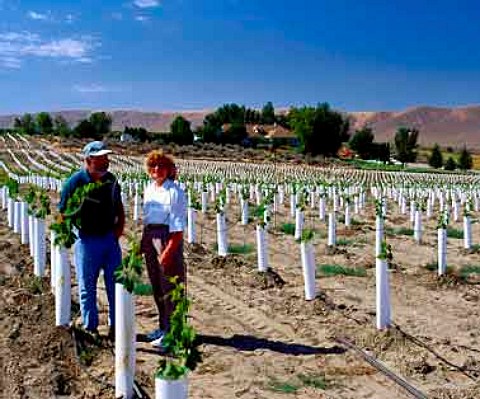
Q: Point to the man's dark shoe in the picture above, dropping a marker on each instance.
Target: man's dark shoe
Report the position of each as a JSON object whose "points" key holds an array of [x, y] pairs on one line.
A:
{"points": [[111, 334]]}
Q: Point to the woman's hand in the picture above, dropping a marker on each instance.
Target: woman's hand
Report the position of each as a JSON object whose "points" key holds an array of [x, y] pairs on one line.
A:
{"points": [[157, 244], [161, 255]]}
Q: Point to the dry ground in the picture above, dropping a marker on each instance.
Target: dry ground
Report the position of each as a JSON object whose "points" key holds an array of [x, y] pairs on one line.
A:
{"points": [[261, 339]]}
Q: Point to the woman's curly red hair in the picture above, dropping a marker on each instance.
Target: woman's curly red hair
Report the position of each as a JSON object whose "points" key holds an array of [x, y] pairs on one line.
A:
{"points": [[156, 157]]}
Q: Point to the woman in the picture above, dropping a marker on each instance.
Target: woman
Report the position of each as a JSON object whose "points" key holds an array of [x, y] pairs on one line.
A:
{"points": [[164, 210]]}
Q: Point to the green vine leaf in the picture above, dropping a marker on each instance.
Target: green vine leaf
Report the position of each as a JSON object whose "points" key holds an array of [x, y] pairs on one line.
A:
{"points": [[129, 273]]}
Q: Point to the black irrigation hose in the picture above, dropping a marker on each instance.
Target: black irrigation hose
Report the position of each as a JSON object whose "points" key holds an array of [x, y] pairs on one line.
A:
{"points": [[420, 343], [383, 369]]}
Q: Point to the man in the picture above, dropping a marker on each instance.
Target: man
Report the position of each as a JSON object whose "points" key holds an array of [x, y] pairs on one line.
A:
{"points": [[100, 224]]}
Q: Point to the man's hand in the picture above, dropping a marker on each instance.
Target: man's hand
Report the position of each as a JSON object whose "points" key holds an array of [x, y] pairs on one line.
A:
{"points": [[118, 232]]}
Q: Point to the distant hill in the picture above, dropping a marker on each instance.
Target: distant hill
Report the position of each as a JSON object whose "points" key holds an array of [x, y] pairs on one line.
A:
{"points": [[446, 126]]}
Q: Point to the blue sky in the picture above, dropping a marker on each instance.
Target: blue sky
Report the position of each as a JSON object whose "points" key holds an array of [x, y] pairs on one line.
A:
{"points": [[154, 55]]}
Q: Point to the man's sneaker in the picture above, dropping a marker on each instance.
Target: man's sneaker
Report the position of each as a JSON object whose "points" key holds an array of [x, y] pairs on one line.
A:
{"points": [[155, 334]]}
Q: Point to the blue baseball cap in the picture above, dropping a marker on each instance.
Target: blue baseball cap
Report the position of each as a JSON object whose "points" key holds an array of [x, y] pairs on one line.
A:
{"points": [[95, 149]]}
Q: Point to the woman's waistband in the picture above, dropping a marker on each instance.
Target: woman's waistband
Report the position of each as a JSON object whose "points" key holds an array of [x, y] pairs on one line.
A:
{"points": [[152, 226]]}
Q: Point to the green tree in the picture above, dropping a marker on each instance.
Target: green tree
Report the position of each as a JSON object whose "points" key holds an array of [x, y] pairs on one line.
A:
{"points": [[235, 134], [181, 131], [25, 124], [252, 116], [436, 158], [85, 129], [210, 133], [320, 130], [213, 122], [137, 133], [380, 151], [102, 124], [282, 120], [61, 127], [406, 144], [450, 164], [268, 114], [17, 124], [44, 123], [465, 161], [361, 142], [230, 113]]}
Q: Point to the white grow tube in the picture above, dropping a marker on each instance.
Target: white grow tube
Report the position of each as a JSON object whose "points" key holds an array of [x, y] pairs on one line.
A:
{"points": [[467, 232], [204, 201], [262, 258], [321, 208], [125, 339], [383, 294], [17, 217], [417, 229], [10, 212], [298, 223], [221, 235], [244, 206], [442, 251], [191, 231], [308, 267], [24, 237], [53, 261], [378, 235], [31, 234], [332, 236], [171, 389], [40, 247], [63, 287]]}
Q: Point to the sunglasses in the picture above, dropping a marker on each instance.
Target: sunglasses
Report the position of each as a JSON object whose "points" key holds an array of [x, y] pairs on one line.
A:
{"points": [[159, 165]]}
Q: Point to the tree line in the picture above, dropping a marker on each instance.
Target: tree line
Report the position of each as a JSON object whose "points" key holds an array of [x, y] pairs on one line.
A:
{"points": [[319, 130], [95, 126]]}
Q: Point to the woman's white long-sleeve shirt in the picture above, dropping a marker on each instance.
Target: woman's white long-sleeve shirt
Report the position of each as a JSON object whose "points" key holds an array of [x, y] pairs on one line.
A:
{"points": [[165, 204]]}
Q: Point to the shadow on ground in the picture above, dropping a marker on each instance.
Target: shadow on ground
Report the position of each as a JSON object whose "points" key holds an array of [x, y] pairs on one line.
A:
{"points": [[250, 343]]}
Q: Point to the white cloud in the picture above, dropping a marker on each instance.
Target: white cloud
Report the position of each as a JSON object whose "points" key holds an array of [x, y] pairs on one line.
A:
{"points": [[19, 36], [89, 88], [141, 18], [146, 3], [16, 46], [38, 16], [10, 62]]}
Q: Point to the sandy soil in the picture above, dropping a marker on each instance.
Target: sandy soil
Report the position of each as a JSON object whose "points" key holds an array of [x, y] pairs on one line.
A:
{"points": [[260, 338]]}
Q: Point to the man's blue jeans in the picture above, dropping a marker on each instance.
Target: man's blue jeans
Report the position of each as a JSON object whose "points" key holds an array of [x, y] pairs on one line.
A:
{"points": [[93, 253]]}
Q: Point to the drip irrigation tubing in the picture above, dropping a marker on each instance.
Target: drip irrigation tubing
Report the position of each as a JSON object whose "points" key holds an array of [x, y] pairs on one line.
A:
{"points": [[420, 343], [414, 392]]}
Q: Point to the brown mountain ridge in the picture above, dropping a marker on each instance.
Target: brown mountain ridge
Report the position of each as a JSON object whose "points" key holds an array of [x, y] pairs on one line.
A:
{"points": [[446, 126]]}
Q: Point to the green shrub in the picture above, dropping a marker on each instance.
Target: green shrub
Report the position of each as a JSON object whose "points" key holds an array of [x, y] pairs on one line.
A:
{"points": [[344, 242], [240, 248], [288, 228], [433, 267], [313, 380], [399, 231], [467, 270], [454, 233], [335, 270]]}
